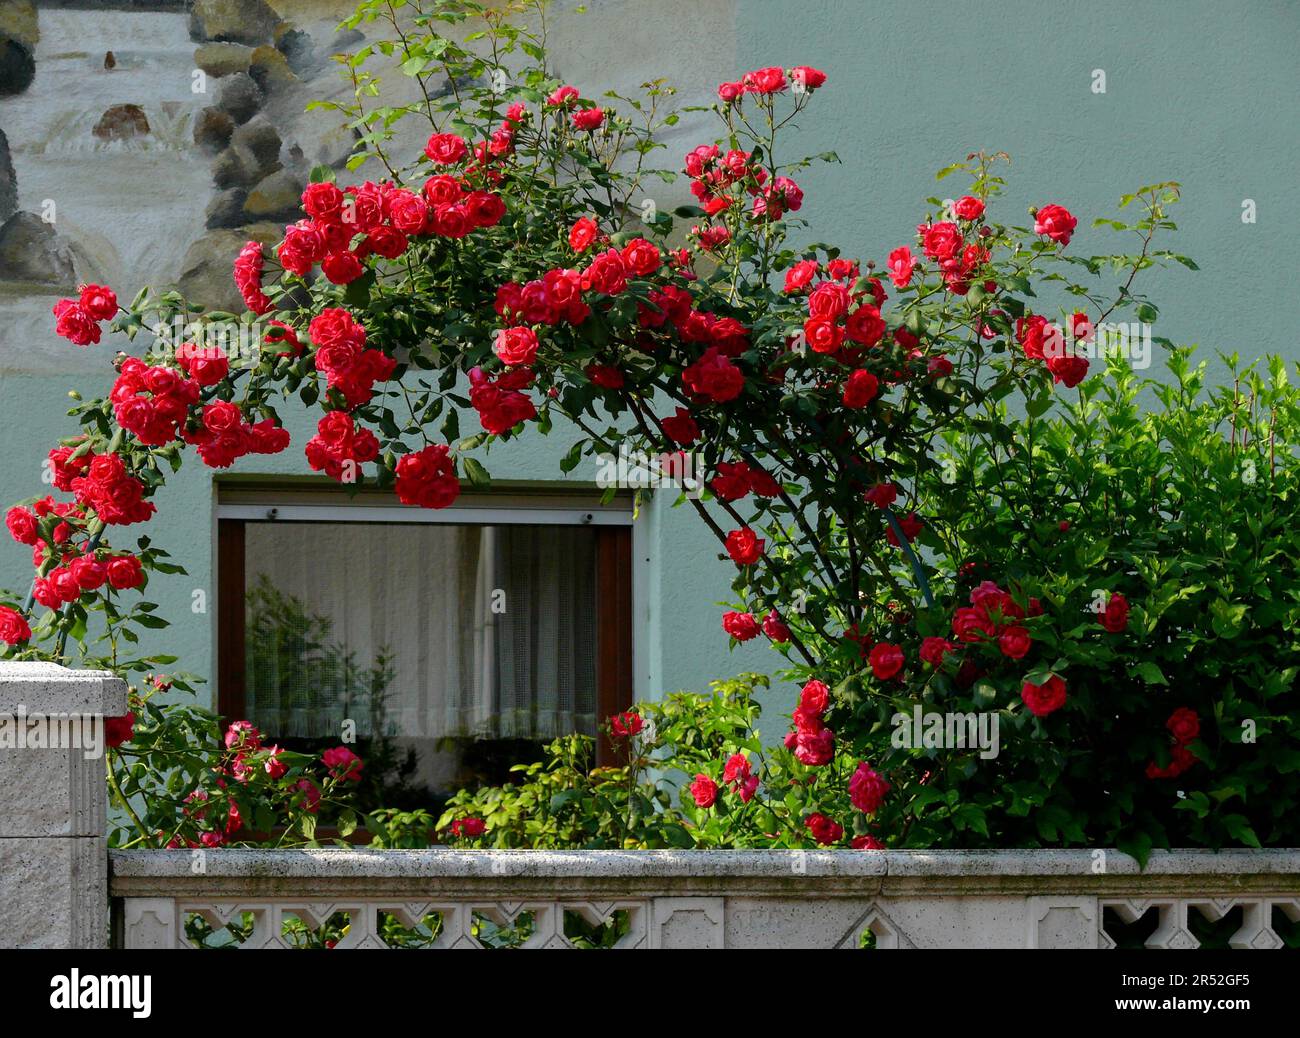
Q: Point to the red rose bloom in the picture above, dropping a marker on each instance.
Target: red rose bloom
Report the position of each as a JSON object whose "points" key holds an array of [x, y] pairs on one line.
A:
{"points": [[343, 764], [744, 546], [901, 265], [1045, 698], [118, 730], [776, 628], [1114, 617], [860, 389], [13, 626], [1015, 642], [866, 843], [446, 148], [867, 789], [516, 345], [626, 724], [808, 78], [587, 118], [824, 830], [933, 650], [1184, 725], [704, 790], [74, 323], [800, 276], [582, 234], [471, 828], [886, 660], [681, 427], [100, 303], [968, 208], [427, 478], [765, 80], [741, 626], [1056, 222]]}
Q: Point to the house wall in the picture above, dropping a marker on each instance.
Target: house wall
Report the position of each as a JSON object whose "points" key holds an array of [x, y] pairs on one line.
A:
{"points": [[1197, 92]]}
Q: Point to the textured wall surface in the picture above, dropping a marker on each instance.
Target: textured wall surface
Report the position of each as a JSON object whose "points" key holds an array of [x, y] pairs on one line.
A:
{"points": [[1195, 92]]}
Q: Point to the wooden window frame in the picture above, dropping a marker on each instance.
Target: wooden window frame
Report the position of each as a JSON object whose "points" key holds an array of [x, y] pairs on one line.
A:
{"points": [[614, 677]]}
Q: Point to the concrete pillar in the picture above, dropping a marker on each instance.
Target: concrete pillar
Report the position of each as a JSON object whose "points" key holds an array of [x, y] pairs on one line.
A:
{"points": [[53, 800]]}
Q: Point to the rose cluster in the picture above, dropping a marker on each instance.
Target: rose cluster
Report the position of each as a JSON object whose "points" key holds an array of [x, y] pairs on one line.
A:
{"points": [[78, 320]]}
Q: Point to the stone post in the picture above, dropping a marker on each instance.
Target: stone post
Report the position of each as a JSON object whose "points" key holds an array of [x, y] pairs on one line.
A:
{"points": [[53, 802]]}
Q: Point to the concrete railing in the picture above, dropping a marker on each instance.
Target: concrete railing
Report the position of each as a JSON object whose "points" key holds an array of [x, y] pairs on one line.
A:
{"points": [[702, 899]]}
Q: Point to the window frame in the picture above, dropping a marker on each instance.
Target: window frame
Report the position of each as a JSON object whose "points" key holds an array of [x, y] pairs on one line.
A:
{"points": [[615, 642]]}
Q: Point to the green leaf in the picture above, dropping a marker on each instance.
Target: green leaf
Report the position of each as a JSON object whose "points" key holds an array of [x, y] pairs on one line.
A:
{"points": [[476, 473]]}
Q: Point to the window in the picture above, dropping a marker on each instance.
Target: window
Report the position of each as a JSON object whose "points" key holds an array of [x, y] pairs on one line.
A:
{"points": [[455, 643]]}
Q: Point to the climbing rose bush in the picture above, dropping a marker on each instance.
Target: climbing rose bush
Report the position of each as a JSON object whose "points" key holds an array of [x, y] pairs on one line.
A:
{"points": [[854, 421]]}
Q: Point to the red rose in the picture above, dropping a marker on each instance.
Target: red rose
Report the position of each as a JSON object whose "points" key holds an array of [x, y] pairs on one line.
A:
{"points": [[125, 572], [901, 265], [470, 828], [829, 299], [867, 789], [744, 546], [866, 843], [776, 628], [582, 234], [808, 78], [323, 202], [865, 326], [800, 276], [118, 730], [823, 335], [74, 323], [1015, 642], [1114, 617], [587, 118], [860, 388], [1184, 725], [626, 724], [968, 208], [730, 92], [714, 377], [814, 748], [765, 80], [681, 427], [100, 303], [704, 790], [941, 241], [823, 829], [563, 95], [741, 626], [815, 697], [516, 345], [933, 650], [1045, 698], [972, 625], [343, 764], [642, 257], [89, 573], [13, 627], [427, 478], [446, 148], [1056, 222], [22, 525], [886, 660], [882, 495], [1070, 370]]}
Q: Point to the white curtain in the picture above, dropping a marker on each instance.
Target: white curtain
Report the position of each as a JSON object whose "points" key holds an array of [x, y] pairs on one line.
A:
{"points": [[462, 631]]}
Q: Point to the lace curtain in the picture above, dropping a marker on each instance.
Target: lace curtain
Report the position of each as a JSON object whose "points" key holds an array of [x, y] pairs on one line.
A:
{"points": [[422, 630]]}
